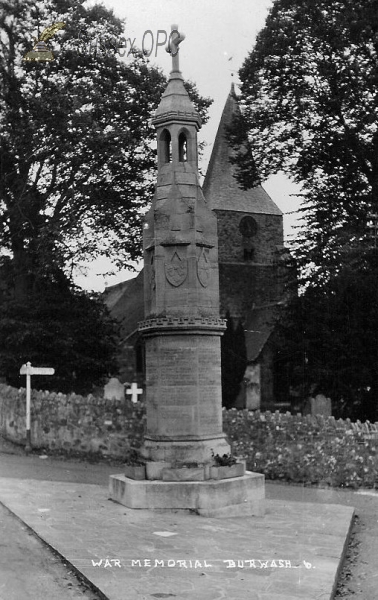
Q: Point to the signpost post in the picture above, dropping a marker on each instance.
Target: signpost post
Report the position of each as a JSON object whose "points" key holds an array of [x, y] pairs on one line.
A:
{"points": [[28, 370]]}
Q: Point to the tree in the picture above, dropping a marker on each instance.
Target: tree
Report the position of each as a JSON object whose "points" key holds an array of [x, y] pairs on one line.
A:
{"points": [[77, 170], [60, 327], [234, 361], [330, 342], [309, 91], [76, 142]]}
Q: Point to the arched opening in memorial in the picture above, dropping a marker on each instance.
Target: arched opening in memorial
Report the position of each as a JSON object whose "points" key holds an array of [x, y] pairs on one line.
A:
{"points": [[165, 147]]}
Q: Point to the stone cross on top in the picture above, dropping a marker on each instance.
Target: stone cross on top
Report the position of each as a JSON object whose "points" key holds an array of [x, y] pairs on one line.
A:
{"points": [[175, 39]]}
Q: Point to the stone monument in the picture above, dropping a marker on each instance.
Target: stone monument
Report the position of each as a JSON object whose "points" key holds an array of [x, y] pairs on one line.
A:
{"points": [[114, 389], [182, 332]]}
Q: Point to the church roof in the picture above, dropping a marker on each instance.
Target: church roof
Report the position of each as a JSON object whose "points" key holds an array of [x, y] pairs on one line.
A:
{"points": [[220, 187], [259, 325], [125, 302]]}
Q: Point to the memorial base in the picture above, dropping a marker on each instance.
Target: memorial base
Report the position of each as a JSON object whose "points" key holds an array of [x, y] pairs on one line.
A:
{"points": [[236, 497], [184, 451]]}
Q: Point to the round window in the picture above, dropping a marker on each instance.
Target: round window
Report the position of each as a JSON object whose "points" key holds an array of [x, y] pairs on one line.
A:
{"points": [[248, 226]]}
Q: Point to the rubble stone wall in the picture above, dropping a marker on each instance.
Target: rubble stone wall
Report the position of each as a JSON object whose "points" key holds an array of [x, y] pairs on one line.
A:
{"points": [[72, 422]]}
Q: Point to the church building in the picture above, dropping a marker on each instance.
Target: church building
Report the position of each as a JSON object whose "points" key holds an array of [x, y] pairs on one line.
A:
{"points": [[251, 278]]}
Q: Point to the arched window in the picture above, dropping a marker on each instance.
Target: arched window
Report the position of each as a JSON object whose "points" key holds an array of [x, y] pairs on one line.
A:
{"points": [[248, 228], [166, 146], [183, 147]]}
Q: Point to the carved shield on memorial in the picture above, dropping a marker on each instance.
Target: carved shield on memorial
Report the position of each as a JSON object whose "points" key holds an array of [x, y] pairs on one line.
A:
{"points": [[203, 267], [176, 270]]}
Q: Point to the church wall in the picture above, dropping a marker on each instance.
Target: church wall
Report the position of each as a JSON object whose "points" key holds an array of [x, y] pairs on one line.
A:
{"points": [[266, 361], [231, 241], [131, 361], [247, 283], [242, 286]]}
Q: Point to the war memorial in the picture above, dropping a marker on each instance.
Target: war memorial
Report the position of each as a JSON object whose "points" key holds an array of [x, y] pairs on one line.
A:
{"points": [[188, 529], [182, 332]]}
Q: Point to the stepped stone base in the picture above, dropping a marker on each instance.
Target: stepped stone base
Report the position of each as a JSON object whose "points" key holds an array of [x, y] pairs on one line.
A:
{"points": [[239, 496]]}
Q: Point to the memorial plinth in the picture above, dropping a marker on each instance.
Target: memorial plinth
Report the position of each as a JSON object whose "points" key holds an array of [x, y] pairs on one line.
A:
{"points": [[241, 496], [182, 331], [183, 374]]}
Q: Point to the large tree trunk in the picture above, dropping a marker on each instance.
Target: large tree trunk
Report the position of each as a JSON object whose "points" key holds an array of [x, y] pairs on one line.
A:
{"points": [[22, 273]]}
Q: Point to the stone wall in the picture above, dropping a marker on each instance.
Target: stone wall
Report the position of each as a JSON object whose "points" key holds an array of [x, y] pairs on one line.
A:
{"points": [[71, 422], [244, 283], [231, 242], [110, 427]]}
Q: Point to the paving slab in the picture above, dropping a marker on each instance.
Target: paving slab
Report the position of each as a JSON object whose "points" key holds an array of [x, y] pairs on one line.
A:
{"points": [[293, 552]]}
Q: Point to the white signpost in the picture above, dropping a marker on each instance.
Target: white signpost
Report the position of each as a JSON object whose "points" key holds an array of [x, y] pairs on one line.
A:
{"points": [[134, 391], [28, 370]]}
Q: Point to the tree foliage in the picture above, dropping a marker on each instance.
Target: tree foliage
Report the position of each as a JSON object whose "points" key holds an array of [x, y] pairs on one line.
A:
{"points": [[234, 361], [77, 170], [310, 96], [309, 88], [76, 145], [60, 327], [330, 342]]}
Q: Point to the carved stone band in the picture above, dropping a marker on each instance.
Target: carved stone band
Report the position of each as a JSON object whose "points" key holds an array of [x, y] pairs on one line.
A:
{"points": [[183, 323]]}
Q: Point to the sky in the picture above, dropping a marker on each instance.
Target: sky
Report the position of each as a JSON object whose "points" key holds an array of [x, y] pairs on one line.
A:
{"points": [[219, 36]]}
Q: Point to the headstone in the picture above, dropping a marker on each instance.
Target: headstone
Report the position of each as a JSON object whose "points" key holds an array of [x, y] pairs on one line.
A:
{"points": [[320, 405], [114, 389], [252, 379]]}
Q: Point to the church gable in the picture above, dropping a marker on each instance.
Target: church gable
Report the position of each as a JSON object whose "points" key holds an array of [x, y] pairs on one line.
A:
{"points": [[220, 187]]}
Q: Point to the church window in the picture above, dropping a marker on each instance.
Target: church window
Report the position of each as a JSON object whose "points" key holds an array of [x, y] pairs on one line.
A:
{"points": [[166, 146], [248, 226], [183, 149], [248, 253]]}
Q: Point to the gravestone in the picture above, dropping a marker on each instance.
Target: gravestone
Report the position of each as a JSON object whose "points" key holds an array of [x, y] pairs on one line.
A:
{"points": [[320, 405], [252, 378], [114, 389]]}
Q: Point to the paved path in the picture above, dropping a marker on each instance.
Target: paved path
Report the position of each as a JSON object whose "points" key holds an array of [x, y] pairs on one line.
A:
{"points": [[359, 578], [66, 503], [79, 521], [29, 570]]}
